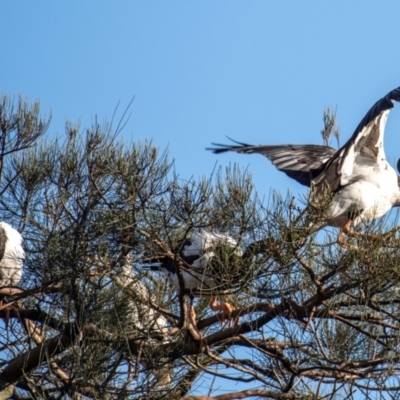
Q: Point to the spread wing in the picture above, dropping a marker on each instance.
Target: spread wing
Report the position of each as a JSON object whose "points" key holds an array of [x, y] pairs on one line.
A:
{"points": [[296, 161], [365, 146]]}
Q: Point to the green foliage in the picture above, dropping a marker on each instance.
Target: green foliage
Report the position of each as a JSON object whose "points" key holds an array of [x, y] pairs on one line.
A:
{"points": [[315, 319]]}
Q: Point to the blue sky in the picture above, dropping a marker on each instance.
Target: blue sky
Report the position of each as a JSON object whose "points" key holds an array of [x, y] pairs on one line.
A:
{"points": [[257, 71]]}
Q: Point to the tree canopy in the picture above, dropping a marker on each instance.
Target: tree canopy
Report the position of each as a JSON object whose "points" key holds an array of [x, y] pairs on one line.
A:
{"points": [[90, 321]]}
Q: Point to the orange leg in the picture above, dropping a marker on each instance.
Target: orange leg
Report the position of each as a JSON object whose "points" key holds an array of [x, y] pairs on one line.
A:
{"points": [[345, 230], [226, 308], [192, 320]]}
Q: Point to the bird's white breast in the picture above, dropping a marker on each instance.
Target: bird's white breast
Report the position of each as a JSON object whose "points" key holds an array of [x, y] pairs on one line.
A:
{"points": [[370, 193], [140, 314], [12, 262]]}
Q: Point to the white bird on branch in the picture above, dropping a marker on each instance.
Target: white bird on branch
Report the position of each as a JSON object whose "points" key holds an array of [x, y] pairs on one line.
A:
{"points": [[362, 184], [140, 319], [208, 264], [12, 256]]}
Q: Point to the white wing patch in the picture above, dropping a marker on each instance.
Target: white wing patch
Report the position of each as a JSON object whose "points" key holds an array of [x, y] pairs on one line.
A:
{"points": [[348, 164], [363, 151]]}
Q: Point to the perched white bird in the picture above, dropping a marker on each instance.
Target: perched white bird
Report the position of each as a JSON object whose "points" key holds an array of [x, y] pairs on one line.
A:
{"points": [[140, 315], [12, 255], [141, 319], [208, 263], [362, 183]]}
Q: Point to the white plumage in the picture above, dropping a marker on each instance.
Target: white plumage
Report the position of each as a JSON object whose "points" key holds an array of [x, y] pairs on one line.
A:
{"points": [[362, 183], [208, 268], [12, 255], [369, 185], [369, 197], [142, 320], [140, 315], [198, 252]]}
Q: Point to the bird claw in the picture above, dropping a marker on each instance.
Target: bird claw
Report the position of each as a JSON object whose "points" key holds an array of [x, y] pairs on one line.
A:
{"points": [[226, 313], [228, 317], [387, 239], [343, 242]]}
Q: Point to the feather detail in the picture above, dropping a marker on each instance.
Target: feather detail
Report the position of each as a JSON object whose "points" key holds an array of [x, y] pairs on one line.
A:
{"points": [[363, 184]]}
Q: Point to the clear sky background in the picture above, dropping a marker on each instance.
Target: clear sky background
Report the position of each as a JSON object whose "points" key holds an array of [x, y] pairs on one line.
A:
{"points": [[257, 71]]}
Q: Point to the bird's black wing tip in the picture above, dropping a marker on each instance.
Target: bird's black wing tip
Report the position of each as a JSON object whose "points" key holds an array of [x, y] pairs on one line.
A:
{"points": [[395, 94], [222, 148]]}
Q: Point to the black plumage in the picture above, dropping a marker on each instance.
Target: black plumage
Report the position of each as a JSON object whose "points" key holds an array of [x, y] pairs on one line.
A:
{"points": [[360, 181]]}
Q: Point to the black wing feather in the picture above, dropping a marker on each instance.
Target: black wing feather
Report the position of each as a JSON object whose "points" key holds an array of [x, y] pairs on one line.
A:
{"points": [[329, 173], [296, 161], [312, 164]]}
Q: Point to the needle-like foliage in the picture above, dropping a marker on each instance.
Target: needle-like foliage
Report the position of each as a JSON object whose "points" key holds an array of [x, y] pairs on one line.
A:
{"points": [[91, 322]]}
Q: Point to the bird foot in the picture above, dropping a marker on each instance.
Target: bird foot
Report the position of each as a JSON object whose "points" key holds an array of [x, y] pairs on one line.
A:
{"points": [[387, 240], [343, 243], [226, 312]]}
